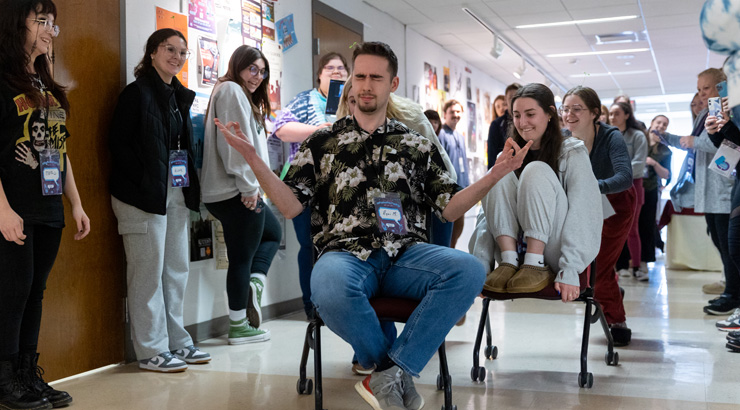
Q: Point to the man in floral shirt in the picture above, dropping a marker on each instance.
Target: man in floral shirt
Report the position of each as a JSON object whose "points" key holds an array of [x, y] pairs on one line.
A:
{"points": [[371, 184]]}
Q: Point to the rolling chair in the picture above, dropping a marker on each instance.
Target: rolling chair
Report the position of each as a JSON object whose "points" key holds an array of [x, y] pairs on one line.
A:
{"points": [[593, 314]]}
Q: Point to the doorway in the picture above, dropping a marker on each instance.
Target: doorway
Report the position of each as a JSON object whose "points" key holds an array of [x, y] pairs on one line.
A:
{"points": [[333, 31]]}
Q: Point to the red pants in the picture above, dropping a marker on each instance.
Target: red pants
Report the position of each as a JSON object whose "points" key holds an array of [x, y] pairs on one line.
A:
{"points": [[613, 235]]}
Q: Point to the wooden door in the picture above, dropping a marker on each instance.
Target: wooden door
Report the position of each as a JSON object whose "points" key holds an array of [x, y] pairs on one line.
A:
{"points": [[333, 31], [82, 327]]}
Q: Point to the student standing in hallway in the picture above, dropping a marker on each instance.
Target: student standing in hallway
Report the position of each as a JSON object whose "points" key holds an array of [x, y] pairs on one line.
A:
{"points": [[454, 143]]}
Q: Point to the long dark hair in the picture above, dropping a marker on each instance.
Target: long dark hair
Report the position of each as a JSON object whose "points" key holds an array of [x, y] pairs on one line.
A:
{"points": [[631, 121], [243, 57], [13, 57], [552, 139], [154, 41]]}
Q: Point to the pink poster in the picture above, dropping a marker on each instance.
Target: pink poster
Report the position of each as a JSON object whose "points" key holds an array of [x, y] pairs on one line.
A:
{"points": [[200, 15]]}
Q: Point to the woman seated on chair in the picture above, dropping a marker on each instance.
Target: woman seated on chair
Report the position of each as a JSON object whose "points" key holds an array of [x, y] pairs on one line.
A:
{"points": [[550, 202]]}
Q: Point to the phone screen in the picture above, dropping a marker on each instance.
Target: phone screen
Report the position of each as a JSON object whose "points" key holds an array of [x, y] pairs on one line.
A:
{"points": [[332, 100], [722, 89]]}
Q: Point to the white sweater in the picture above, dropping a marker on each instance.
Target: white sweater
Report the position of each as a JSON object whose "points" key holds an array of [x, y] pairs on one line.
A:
{"points": [[225, 173]]}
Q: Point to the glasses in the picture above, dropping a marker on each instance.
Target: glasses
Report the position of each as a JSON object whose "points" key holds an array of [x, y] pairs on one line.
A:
{"points": [[331, 68], [48, 26], [576, 110], [173, 52], [254, 70]]}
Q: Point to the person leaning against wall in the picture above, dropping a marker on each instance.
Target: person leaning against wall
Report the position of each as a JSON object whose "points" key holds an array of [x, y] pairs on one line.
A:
{"points": [[304, 115], [454, 144], [33, 134], [153, 189], [232, 193]]}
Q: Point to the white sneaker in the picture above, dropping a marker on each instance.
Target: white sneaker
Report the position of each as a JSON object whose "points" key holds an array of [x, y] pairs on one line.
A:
{"points": [[192, 354], [643, 267], [164, 363], [642, 276], [625, 273]]}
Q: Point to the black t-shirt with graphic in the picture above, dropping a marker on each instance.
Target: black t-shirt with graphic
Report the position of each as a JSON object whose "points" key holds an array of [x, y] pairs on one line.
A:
{"points": [[25, 131]]}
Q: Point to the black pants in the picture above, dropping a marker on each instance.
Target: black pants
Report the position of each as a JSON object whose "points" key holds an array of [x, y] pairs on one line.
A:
{"points": [[23, 273], [252, 239], [733, 241], [719, 225], [647, 226]]}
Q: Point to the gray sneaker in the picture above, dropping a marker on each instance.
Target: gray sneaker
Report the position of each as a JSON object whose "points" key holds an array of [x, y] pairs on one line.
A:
{"points": [[191, 354], [164, 363], [387, 388], [411, 398]]}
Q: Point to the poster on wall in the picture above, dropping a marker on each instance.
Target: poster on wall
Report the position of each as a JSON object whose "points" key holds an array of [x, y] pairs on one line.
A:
{"points": [[431, 98], [487, 107], [232, 40], [252, 23], [179, 22], [286, 32], [198, 118], [469, 89], [268, 20], [201, 15], [446, 81], [273, 53], [208, 50], [472, 128]]}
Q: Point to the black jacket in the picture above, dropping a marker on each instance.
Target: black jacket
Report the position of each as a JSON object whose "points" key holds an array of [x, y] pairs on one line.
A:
{"points": [[498, 132], [139, 144]]}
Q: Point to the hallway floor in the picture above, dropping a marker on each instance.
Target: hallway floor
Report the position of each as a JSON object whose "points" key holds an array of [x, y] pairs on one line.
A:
{"points": [[677, 360]]}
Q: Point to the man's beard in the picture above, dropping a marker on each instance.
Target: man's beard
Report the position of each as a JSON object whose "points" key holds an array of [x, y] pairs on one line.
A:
{"points": [[369, 109]]}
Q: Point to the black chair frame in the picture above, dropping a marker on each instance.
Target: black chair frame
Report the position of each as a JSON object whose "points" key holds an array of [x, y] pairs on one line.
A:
{"points": [[388, 309], [593, 313]]}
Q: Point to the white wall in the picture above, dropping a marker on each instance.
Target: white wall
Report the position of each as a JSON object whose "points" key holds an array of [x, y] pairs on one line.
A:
{"points": [[205, 294]]}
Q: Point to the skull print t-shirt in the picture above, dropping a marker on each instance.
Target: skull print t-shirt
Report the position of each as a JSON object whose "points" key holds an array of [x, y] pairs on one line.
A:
{"points": [[25, 132]]}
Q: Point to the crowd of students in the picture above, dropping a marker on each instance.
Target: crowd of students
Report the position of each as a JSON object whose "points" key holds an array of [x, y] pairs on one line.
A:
{"points": [[377, 199]]}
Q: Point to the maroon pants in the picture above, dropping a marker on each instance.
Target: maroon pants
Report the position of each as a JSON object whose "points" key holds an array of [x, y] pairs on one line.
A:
{"points": [[613, 235]]}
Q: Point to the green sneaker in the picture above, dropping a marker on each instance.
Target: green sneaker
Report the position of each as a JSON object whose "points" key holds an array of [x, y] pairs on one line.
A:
{"points": [[254, 305], [241, 332]]}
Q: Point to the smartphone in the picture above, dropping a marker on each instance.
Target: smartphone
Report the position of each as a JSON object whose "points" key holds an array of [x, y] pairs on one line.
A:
{"points": [[715, 107], [332, 100], [722, 89]]}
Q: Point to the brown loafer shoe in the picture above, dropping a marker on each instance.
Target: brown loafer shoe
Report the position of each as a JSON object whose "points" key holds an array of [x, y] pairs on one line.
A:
{"points": [[530, 279], [497, 279]]}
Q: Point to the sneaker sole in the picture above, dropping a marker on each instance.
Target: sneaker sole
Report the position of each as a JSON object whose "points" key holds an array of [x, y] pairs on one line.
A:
{"points": [[195, 361], [367, 396], [711, 311], [162, 370], [251, 339], [362, 371], [254, 313]]}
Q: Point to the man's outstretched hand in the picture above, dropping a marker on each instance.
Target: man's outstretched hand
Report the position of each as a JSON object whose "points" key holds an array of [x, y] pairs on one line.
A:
{"points": [[236, 138]]}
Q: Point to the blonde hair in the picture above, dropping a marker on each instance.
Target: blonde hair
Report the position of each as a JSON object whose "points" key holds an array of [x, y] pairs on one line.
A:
{"points": [[399, 108]]}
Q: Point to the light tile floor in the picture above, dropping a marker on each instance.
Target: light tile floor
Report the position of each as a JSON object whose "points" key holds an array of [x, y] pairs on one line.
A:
{"points": [[677, 360]]}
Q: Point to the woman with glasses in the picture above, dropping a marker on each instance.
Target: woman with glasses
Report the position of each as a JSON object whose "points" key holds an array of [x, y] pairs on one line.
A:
{"points": [[35, 171], [304, 115], [154, 187], [548, 202], [622, 117], [232, 194], [610, 163]]}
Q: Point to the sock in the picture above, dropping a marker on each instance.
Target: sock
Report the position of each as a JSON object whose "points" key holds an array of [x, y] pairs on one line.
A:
{"points": [[385, 364], [510, 257], [237, 315], [533, 259], [260, 276]]}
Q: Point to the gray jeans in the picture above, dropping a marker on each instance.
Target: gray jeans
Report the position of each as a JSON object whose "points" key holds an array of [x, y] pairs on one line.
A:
{"points": [[157, 272]]}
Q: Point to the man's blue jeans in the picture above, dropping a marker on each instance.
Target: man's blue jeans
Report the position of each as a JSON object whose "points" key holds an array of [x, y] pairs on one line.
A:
{"points": [[445, 281]]}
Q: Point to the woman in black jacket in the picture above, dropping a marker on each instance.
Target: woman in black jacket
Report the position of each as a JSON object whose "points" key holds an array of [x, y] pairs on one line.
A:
{"points": [[154, 186]]}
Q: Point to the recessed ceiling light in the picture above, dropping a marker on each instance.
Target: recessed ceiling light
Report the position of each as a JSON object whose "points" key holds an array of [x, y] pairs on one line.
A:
{"points": [[573, 22], [635, 72], [593, 53]]}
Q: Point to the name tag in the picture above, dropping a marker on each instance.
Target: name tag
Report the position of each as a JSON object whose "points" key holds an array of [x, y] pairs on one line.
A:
{"points": [[51, 174], [389, 213], [179, 176]]}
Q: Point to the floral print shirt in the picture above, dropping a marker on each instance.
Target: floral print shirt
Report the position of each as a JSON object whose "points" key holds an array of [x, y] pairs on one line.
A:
{"points": [[339, 171]]}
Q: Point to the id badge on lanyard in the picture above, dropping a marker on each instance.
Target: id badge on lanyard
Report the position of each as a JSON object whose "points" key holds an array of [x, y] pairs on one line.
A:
{"points": [[179, 176], [389, 213], [51, 172]]}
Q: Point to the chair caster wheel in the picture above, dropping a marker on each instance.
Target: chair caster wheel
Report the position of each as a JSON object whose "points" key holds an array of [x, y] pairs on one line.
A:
{"points": [[612, 358], [491, 352], [586, 380], [478, 374], [304, 386]]}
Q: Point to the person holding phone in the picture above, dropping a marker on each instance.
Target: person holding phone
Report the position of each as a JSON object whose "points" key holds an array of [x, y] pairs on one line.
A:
{"points": [[233, 195], [304, 115]]}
